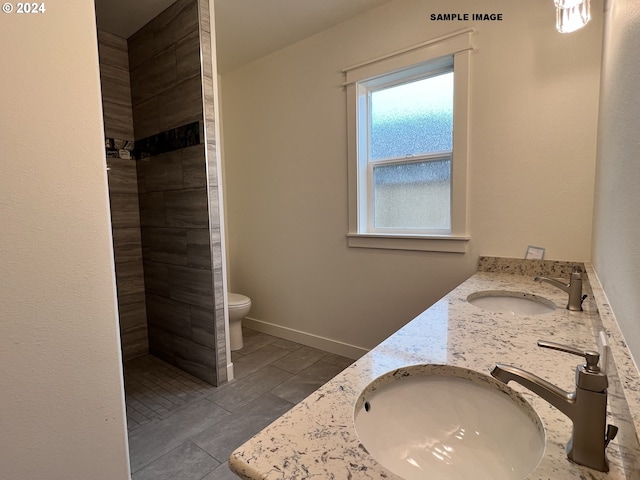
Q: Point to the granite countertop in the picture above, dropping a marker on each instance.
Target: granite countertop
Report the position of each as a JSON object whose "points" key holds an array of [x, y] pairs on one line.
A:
{"points": [[317, 438]]}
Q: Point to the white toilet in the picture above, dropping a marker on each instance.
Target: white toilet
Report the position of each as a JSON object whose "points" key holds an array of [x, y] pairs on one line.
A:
{"points": [[239, 307]]}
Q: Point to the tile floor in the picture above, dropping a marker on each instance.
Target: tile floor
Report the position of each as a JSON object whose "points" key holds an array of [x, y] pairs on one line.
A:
{"points": [[181, 428]]}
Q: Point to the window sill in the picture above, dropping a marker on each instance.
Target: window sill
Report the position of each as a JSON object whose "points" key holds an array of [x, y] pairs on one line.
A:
{"points": [[424, 243]]}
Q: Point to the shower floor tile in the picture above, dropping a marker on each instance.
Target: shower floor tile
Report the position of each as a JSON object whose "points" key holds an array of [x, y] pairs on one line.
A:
{"points": [[153, 389]]}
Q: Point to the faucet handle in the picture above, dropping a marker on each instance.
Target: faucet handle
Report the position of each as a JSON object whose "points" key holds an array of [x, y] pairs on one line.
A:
{"points": [[588, 376], [591, 356]]}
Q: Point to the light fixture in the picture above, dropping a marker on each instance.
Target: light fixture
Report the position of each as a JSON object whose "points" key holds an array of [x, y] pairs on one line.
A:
{"points": [[572, 14], [567, 3]]}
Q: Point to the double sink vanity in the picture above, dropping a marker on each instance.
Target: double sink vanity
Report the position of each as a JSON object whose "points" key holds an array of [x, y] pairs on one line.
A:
{"points": [[432, 400]]}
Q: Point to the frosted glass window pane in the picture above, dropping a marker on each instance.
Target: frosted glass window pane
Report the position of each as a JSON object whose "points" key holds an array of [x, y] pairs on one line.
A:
{"points": [[413, 195], [412, 119]]}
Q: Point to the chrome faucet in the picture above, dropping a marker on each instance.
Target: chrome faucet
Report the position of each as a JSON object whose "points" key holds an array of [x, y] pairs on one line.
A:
{"points": [[573, 288], [586, 407]]}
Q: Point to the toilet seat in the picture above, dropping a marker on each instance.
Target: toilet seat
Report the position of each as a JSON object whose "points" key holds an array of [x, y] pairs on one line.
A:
{"points": [[236, 300]]}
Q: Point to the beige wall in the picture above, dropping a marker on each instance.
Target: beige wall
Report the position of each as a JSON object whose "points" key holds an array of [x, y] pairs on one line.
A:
{"points": [[61, 385], [532, 141], [616, 251]]}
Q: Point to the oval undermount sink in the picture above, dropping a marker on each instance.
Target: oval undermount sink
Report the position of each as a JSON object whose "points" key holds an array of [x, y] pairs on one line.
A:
{"points": [[435, 422], [515, 303]]}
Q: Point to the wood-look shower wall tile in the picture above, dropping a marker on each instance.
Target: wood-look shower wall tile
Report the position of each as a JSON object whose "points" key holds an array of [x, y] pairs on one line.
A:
{"points": [[214, 203], [193, 161], [188, 56], [133, 315], [207, 64], [154, 76], [215, 242], [141, 46], [209, 104], [130, 299], [113, 50], [186, 208], [129, 278], [198, 248], [116, 86], [187, 18], [203, 327], [122, 176], [124, 210], [127, 245], [191, 285], [134, 342], [141, 82], [212, 184], [152, 209], [162, 343], [196, 359], [156, 278], [118, 121], [164, 65], [145, 118], [169, 315], [180, 104], [174, 23], [165, 245], [205, 16], [161, 172]]}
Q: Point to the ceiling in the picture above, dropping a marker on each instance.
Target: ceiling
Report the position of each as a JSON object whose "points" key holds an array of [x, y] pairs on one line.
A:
{"points": [[126, 17], [250, 29], [245, 29]]}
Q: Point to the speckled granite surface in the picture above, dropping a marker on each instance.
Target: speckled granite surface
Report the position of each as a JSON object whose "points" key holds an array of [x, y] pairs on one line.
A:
{"points": [[317, 439]]}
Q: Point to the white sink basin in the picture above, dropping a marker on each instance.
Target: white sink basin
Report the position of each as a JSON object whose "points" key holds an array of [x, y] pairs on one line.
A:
{"points": [[515, 303], [443, 422]]}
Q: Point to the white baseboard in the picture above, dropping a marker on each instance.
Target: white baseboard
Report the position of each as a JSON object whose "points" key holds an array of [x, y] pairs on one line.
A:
{"points": [[315, 341], [230, 374]]}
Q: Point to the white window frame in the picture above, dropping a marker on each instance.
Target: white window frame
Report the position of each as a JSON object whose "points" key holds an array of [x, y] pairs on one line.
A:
{"points": [[437, 54], [366, 165]]}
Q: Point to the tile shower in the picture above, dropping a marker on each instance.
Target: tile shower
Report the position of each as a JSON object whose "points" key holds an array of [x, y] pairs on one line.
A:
{"points": [[164, 205]]}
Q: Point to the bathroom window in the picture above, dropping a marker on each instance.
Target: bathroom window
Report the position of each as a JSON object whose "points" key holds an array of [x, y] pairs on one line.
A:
{"points": [[408, 148]]}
